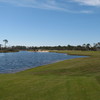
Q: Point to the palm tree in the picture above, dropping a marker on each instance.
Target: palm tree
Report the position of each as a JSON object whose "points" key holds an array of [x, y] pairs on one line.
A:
{"points": [[5, 41]]}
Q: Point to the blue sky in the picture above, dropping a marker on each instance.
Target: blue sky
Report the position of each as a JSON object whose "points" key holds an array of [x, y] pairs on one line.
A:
{"points": [[49, 22]]}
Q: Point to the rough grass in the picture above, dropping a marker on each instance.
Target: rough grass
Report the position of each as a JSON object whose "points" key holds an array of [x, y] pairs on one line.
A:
{"points": [[74, 79]]}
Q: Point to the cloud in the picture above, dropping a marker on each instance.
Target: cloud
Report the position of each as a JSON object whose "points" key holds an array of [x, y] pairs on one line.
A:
{"points": [[46, 4], [89, 2], [72, 6]]}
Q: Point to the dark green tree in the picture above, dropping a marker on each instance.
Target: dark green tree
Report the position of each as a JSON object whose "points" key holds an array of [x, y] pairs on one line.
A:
{"points": [[5, 42], [0, 46]]}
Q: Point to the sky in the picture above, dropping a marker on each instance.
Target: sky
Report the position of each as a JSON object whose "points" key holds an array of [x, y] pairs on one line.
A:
{"points": [[49, 22]]}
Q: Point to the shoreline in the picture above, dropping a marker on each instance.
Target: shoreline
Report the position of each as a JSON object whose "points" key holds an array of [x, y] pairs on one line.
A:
{"points": [[39, 51], [4, 51]]}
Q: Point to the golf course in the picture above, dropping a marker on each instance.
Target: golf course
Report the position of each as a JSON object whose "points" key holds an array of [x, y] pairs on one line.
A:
{"points": [[73, 79]]}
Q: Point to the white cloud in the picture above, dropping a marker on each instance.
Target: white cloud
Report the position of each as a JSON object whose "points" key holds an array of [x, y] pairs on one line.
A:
{"points": [[89, 2], [33, 3], [86, 11], [62, 5]]}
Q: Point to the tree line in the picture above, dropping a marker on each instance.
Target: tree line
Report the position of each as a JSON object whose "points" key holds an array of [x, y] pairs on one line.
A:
{"points": [[84, 47]]}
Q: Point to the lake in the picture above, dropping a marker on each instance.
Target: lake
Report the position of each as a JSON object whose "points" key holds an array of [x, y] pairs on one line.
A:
{"points": [[19, 61]]}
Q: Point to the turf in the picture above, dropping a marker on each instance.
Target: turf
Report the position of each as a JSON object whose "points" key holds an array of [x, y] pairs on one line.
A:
{"points": [[74, 79]]}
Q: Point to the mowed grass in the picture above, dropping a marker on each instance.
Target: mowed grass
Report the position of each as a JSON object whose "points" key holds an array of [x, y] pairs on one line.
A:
{"points": [[74, 79]]}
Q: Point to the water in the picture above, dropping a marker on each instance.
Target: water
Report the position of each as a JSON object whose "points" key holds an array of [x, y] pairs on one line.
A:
{"points": [[18, 61]]}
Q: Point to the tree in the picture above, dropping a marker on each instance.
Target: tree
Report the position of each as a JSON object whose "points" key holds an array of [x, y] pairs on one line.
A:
{"points": [[0, 46], [97, 46], [88, 46], [5, 41]]}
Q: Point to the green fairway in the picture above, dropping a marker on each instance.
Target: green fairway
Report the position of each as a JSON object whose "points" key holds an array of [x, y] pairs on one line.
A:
{"points": [[74, 79]]}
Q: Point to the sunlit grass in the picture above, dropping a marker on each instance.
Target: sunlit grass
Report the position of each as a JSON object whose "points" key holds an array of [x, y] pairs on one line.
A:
{"points": [[74, 79]]}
